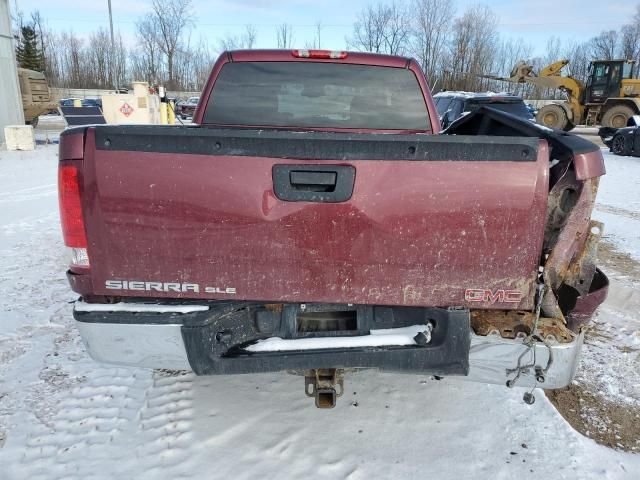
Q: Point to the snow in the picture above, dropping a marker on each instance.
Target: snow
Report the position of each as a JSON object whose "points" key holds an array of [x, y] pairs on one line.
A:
{"points": [[46, 120], [617, 323], [618, 202], [465, 94], [611, 356], [377, 338], [81, 306], [64, 416]]}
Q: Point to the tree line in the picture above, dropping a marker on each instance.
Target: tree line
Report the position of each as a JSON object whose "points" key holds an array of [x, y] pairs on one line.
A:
{"points": [[454, 48]]}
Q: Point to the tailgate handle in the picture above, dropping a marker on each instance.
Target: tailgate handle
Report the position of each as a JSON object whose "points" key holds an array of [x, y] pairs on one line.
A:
{"points": [[313, 183]]}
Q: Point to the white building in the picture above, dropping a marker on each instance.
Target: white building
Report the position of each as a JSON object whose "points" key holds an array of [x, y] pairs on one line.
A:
{"points": [[10, 100]]}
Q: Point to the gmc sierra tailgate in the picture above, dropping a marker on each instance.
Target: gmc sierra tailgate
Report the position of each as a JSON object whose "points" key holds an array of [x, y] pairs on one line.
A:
{"points": [[423, 220]]}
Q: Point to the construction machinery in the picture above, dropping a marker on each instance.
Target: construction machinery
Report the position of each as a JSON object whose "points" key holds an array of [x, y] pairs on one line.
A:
{"points": [[610, 97], [36, 97]]}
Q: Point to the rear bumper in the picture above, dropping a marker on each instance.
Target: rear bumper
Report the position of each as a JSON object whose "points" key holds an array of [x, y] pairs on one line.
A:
{"points": [[176, 341]]}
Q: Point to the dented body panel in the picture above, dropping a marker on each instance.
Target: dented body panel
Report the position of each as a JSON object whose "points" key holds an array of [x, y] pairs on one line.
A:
{"points": [[421, 232]]}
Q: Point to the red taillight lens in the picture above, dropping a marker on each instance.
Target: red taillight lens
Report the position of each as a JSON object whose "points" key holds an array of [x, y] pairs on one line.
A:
{"points": [[319, 54], [70, 207]]}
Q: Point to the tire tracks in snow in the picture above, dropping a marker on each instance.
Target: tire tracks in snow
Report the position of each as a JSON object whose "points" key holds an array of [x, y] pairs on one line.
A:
{"points": [[166, 421], [117, 413], [91, 419], [618, 211]]}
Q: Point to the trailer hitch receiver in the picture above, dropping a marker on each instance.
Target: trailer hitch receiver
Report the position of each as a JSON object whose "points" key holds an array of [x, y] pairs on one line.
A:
{"points": [[325, 385]]}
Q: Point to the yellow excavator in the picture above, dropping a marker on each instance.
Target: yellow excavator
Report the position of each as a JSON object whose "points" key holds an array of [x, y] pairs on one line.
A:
{"points": [[610, 97]]}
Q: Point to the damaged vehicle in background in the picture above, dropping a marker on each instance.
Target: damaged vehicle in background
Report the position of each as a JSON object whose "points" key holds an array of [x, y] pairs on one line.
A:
{"points": [[315, 219], [185, 109], [452, 105], [623, 141]]}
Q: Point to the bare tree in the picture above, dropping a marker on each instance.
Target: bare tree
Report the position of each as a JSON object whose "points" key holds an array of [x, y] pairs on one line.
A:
{"points": [[368, 30], [120, 60], [579, 55], [605, 45], [431, 24], [317, 38], [202, 60], [99, 54], [381, 28], [630, 42], [38, 25], [284, 35], [508, 53], [472, 48], [397, 31], [239, 42], [146, 60], [553, 50], [170, 18], [72, 60], [250, 36]]}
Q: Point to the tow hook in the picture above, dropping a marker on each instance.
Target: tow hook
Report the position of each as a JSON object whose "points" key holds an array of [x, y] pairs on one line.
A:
{"points": [[424, 338], [321, 383]]}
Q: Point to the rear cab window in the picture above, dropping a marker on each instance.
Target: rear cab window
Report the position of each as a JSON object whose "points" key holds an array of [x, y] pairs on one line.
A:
{"points": [[315, 94]]}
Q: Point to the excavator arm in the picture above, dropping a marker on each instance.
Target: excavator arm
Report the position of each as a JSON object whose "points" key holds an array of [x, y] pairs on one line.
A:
{"points": [[549, 77], [554, 68]]}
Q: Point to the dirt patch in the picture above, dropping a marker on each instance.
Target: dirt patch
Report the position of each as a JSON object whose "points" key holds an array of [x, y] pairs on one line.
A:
{"points": [[606, 422], [588, 404], [609, 258]]}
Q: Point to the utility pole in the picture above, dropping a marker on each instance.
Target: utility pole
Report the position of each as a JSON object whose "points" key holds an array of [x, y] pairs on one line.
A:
{"points": [[113, 50], [319, 29]]}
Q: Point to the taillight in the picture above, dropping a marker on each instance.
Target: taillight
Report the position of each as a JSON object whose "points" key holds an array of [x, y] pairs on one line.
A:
{"points": [[318, 54], [71, 214]]}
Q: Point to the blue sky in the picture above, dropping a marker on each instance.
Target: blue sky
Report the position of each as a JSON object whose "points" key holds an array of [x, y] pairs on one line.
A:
{"points": [[534, 21]]}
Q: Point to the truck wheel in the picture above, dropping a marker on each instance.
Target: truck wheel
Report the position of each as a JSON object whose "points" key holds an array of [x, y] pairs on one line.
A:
{"points": [[569, 126], [619, 145], [553, 116], [617, 116]]}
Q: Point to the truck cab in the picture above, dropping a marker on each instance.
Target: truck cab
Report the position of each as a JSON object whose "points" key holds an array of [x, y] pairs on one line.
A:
{"points": [[607, 79]]}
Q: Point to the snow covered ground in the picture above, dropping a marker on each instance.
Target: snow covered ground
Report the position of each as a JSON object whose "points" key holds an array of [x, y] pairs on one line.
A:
{"points": [[64, 416], [619, 203], [618, 206]]}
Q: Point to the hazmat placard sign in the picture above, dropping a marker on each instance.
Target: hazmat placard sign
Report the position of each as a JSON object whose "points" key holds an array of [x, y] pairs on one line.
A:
{"points": [[126, 109]]}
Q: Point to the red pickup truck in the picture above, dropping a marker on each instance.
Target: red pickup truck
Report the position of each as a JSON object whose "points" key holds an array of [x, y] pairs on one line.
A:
{"points": [[315, 219]]}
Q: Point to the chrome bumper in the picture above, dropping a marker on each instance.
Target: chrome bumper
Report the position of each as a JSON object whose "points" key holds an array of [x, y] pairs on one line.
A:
{"points": [[491, 358], [136, 345]]}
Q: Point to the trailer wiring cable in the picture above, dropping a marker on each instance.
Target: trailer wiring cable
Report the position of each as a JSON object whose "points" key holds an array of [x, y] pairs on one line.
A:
{"points": [[529, 342]]}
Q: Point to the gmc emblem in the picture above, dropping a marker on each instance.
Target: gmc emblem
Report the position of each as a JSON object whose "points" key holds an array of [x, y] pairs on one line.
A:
{"points": [[492, 296]]}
